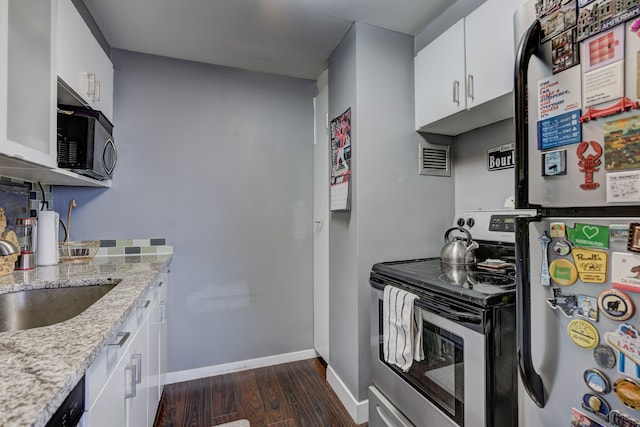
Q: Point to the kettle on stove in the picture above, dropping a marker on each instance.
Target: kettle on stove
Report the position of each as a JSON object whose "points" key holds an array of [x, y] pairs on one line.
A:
{"points": [[458, 251]]}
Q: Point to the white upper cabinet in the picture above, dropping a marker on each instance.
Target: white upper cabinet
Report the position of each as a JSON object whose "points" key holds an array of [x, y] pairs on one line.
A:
{"points": [[464, 78], [27, 81], [440, 77], [82, 64], [490, 51]]}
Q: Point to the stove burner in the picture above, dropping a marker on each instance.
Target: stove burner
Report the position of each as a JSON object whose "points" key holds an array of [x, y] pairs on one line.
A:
{"points": [[471, 279], [423, 266]]}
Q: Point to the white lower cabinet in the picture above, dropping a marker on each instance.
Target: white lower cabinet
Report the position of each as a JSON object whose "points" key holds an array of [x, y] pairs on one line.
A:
{"points": [[123, 384]]}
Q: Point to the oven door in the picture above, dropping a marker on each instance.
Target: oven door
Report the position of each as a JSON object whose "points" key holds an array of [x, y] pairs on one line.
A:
{"points": [[448, 387]]}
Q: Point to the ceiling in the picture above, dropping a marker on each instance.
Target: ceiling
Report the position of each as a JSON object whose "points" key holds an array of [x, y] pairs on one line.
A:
{"points": [[287, 37]]}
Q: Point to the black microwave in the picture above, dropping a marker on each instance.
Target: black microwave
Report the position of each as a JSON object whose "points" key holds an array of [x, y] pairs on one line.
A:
{"points": [[85, 142]]}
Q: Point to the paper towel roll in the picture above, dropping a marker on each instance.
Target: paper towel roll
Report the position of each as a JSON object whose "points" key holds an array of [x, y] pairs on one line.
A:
{"points": [[47, 248]]}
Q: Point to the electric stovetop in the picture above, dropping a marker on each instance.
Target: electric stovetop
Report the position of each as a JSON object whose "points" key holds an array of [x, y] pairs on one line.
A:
{"points": [[478, 285]]}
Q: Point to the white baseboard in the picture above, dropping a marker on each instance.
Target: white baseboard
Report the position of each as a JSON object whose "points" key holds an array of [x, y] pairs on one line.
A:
{"points": [[210, 371], [359, 411]]}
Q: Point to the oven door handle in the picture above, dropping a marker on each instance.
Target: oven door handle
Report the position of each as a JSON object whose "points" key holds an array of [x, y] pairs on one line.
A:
{"points": [[447, 313], [530, 378]]}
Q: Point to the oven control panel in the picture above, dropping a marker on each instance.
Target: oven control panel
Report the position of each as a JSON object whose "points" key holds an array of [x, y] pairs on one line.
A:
{"points": [[491, 225], [502, 223]]}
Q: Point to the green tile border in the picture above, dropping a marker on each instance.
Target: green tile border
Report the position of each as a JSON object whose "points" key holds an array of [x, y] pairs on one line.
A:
{"points": [[121, 247]]}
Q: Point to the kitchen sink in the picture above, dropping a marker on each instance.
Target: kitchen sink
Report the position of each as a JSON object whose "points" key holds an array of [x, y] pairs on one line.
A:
{"points": [[34, 308]]}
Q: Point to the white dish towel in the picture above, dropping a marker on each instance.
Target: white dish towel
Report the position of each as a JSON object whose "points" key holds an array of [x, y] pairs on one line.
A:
{"points": [[401, 328]]}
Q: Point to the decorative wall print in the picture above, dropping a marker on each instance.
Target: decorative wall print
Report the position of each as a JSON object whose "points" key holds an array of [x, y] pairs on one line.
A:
{"points": [[559, 94], [603, 49], [564, 51], [501, 157], [622, 143], [603, 84], [602, 15], [559, 16], [341, 161], [623, 187], [554, 163], [559, 130]]}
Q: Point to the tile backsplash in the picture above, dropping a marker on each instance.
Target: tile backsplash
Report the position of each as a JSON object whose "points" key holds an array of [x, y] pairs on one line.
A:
{"points": [[134, 247], [23, 199]]}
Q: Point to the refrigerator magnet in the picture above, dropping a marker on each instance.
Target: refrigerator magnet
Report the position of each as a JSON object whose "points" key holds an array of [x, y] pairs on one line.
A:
{"points": [[628, 392], [604, 356], [580, 419], [625, 271], [597, 406], [587, 307], [633, 242], [558, 229], [597, 381], [566, 303], [554, 163], [626, 343], [583, 334], [561, 247], [618, 233], [619, 419], [591, 264], [615, 304], [563, 272], [545, 279]]}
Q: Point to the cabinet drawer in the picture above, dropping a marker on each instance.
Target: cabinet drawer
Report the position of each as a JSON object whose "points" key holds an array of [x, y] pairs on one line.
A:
{"points": [[103, 367]]}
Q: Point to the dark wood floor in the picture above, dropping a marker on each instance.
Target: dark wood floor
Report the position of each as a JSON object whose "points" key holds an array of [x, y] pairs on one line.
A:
{"points": [[288, 395]]}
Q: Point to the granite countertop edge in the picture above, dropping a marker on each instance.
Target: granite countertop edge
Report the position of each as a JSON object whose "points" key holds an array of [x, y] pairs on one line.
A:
{"points": [[42, 365]]}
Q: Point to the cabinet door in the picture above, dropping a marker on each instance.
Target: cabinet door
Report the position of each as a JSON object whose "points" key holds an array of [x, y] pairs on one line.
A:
{"points": [[27, 80], [137, 406], [82, 62], [440, 77], [162, 305], [490, 50], [109, 409]]}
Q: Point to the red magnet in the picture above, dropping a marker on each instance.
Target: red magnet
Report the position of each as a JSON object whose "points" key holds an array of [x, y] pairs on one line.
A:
{"points": [[589, 164]]}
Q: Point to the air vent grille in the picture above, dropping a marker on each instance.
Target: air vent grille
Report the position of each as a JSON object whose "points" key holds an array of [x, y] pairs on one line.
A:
{"points": [[434, 159]]}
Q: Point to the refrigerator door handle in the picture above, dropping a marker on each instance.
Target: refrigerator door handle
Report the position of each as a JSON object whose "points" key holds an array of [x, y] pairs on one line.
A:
{"points": [[530, 378], [526, 49]]}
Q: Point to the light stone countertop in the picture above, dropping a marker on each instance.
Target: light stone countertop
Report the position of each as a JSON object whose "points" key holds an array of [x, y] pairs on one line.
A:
{"points": [[40, 366]]}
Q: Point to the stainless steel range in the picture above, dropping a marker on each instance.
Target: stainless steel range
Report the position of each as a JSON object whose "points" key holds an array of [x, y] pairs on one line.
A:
{"points": [[469, 374]]}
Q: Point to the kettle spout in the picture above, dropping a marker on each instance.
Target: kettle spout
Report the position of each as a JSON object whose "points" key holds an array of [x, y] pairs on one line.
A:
{"points": [[8, 248], [472, 246]]}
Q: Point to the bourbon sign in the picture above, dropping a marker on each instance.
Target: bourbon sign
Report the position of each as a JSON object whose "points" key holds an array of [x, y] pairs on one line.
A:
{"points": [[501, 157]]}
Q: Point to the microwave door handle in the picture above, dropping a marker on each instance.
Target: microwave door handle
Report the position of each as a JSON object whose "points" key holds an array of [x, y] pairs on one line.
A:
{"points": [[109, 168], [530, 378]]}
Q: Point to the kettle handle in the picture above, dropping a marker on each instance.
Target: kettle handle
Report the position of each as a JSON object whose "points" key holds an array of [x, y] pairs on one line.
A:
{"points": [[469, 239]]}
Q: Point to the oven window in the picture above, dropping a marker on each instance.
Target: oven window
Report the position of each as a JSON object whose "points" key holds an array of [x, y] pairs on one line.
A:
{"points": [[440, 376]]}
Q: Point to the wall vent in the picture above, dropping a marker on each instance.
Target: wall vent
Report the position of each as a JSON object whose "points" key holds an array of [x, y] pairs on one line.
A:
{"points": [[434, 159]]}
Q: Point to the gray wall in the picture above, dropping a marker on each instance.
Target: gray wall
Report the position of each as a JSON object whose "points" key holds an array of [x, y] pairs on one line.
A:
{"points": [[220, 162], [476, 187], [396, 213]]}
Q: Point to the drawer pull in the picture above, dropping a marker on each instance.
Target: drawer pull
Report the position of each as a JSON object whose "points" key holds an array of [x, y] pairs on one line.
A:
{"points": [[122, 338], [138, 365], [130, 372]]}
